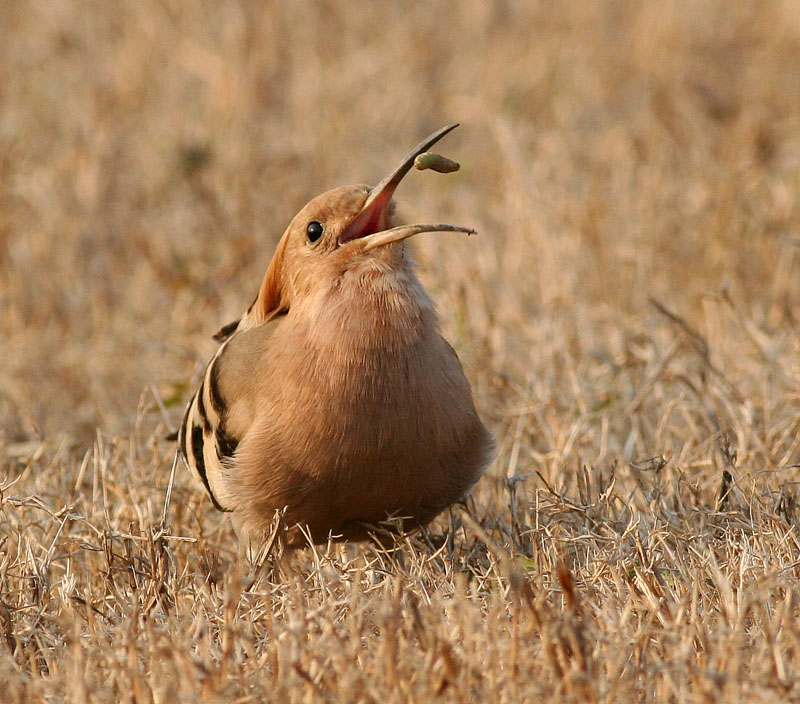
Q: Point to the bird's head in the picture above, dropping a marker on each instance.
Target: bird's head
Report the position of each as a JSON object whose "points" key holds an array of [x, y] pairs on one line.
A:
{"points": [[347, 229]]}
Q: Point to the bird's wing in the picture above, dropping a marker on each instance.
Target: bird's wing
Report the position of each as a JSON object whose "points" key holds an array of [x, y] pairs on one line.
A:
{"points": [[222, 409], [226, 331]]}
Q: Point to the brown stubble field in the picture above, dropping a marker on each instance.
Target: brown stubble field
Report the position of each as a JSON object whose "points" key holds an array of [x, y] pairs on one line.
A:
{"points": [[628, 317]]}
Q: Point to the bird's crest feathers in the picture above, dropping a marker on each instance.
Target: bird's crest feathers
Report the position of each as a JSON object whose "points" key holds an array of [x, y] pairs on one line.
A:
{"points": [[272, 297]]}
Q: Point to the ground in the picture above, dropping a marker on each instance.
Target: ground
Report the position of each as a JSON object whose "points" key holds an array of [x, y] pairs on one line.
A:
{"points": [[627, 315]]}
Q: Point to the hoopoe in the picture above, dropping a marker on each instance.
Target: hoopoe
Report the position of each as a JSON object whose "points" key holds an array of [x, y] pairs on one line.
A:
{"points": [[335, 397]]}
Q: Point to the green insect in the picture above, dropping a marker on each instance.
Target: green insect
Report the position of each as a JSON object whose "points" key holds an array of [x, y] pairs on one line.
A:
{"points": [[437, 162]]}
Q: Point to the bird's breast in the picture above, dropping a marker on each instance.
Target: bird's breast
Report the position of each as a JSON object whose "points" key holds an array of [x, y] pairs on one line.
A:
{"points": [[376, 400]]}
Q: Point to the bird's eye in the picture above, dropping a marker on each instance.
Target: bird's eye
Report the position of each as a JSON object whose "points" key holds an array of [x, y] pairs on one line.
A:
{"points": [[314, 231]]}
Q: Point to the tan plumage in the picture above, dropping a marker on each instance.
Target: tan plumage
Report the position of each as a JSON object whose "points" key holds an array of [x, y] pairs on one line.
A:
{"points": [[335, 395]]}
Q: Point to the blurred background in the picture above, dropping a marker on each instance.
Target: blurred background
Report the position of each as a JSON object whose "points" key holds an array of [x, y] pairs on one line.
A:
{"points": [[152, 152], [628, 316]]}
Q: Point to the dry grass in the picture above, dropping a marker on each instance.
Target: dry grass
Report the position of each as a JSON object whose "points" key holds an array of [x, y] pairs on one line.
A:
{"points": [[636, 539]]}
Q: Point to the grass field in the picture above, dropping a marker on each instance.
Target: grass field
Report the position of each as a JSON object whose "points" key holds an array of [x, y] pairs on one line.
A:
{"points": [[629, 317]]}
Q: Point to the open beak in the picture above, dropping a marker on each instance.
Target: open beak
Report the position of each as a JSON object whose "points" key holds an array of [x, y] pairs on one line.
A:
{"points": [[371, 222]]}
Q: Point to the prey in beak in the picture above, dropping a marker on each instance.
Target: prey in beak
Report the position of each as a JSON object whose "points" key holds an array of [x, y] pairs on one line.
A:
{"points": [[371, 223]]}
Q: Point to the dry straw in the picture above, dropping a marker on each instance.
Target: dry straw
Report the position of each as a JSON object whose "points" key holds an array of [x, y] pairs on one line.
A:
{"points": [[628, 319]]}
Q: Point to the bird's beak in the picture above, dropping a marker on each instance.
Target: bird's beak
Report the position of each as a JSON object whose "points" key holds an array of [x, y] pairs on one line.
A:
{"points": [[370, 223]]}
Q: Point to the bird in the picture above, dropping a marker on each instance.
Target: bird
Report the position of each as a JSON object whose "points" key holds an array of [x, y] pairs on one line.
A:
{"points": [[335, 398]]}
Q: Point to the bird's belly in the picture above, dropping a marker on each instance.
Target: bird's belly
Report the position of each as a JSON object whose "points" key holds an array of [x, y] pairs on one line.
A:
{"points": [[369, 450], [374, 461]]}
